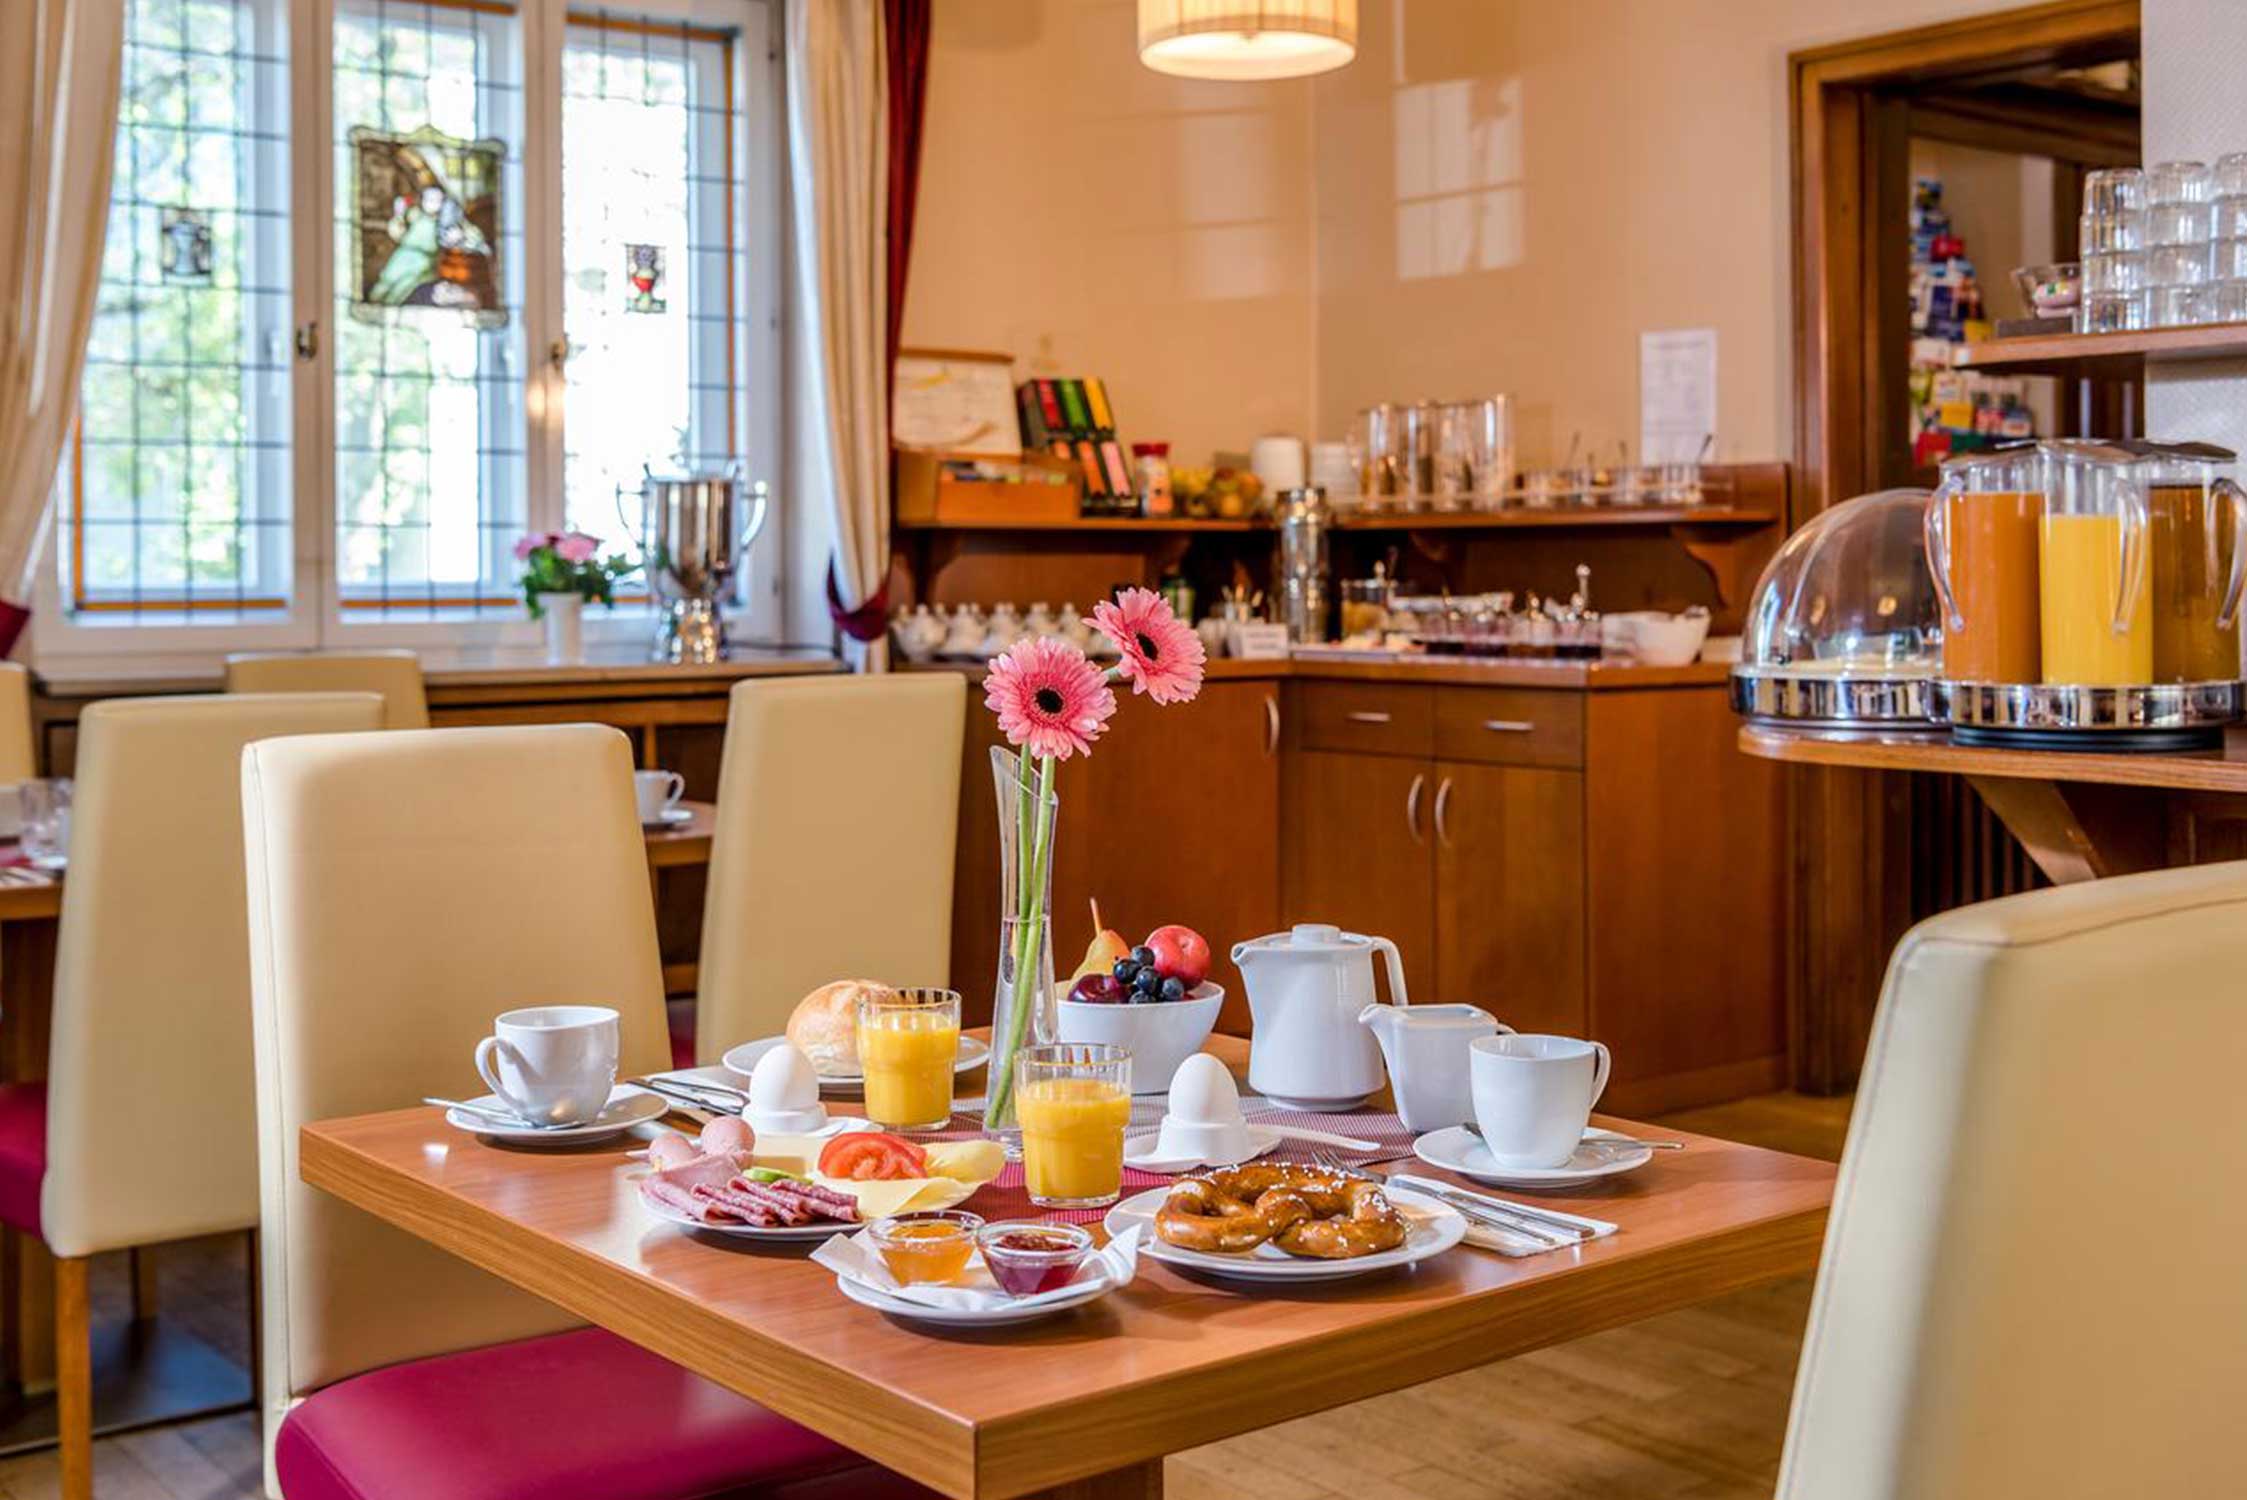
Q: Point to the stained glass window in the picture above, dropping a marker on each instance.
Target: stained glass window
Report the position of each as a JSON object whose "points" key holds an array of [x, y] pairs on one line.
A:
{"points": [[652, 301], [430, 446], [176, 496]]}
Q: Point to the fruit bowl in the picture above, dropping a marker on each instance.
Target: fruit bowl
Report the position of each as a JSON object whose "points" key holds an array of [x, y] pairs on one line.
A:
{"points": [[1160, 1033]]}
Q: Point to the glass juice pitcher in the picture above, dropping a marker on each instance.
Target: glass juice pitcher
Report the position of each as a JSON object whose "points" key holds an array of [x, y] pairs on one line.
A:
{"points": [[1983, 527], [2091, 567], [2198, 543]]}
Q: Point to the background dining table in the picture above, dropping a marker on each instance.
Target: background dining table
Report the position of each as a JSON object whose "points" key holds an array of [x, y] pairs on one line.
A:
{"points": [[30, 906], [1086, 1404]]}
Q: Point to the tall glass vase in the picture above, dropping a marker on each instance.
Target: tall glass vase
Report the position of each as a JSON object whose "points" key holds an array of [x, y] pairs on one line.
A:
{"points": [[1024, 1008]]}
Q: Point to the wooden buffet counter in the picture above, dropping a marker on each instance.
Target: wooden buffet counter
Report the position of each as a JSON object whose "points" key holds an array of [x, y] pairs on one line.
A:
{"points": [[1575, 847]]}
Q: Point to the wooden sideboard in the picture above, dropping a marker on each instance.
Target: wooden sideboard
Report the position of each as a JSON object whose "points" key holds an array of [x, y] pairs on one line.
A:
{"points": [[1575, 849]]}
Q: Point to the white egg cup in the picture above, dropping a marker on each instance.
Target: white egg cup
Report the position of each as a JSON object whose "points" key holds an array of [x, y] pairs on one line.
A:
{"points": [[808, 1121], [1220, 1141]]}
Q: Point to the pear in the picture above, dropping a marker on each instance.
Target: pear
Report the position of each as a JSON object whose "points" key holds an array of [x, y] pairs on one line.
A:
{"points": [[1101, 953]]}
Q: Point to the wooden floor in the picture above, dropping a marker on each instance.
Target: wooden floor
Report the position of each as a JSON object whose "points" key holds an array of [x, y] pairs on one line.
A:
{"points": [[1687, 1407]]}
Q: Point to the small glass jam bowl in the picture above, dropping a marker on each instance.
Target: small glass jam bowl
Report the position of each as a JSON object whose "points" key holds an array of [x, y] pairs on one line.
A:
{"points": [[1027, 1256], [926, 1247]]}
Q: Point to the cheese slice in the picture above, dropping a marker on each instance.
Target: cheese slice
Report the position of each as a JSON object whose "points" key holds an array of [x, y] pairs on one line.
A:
{"points": [[956, 1170]]}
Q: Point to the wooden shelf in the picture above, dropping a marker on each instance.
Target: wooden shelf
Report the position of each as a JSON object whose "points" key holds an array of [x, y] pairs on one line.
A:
{"points": [[1648, 517], [2107, 356]]}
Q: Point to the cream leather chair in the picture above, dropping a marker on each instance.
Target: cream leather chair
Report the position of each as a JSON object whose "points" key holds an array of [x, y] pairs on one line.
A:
{"points": [[19, 757], [394, 675], [405, 888], [2032, 1283], [838, 810], [148, 1131]]}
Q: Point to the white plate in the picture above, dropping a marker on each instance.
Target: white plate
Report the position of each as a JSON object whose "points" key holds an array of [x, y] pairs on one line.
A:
{"points": [[818, 1229], [1456, 1151], [743, 1059], [1432, 1228], [627, 1107], [1139, 1151], [671, 817], [962, 1317]]}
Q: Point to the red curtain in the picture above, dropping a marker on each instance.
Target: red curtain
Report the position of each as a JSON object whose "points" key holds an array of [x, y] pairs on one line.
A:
{"points": [[905, 26]]}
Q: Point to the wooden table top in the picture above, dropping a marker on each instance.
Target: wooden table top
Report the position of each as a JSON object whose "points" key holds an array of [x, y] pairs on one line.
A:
{"points": [[1168, 1363], [2222, 770]]}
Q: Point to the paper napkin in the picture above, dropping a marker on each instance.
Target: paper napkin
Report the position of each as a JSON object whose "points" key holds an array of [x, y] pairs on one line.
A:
{"points": [[854, 1258]]}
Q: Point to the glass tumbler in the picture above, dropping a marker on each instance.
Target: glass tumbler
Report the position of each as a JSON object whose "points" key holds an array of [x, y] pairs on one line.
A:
{"points": [[46, 822], [2178, 182], [1073, 1100], [908, 1042], [2114, 190]]}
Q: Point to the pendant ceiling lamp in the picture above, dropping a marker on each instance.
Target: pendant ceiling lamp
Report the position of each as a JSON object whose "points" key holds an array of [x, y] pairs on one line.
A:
{"points": [[1247, 39]]}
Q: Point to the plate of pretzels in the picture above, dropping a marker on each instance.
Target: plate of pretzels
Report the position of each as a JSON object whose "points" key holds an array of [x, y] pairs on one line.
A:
{"points": [[1285, 1221]]}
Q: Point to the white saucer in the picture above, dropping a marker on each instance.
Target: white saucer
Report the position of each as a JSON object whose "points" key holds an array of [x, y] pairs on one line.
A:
{"points": [[1433, 1227], [671, 817], [1139, 1152], [743, 1060], [628, 1106], [976, 1317], [1456, 1151]]}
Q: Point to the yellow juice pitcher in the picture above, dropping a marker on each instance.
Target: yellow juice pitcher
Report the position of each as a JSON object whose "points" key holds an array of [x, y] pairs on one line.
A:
{"points": [[2094, 604]]}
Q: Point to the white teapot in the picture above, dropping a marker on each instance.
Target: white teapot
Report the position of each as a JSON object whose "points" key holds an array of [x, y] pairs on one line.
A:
{"points": [[1306, 989], [1074, 628], [964, 636], [1004, 631], [919, 634]]}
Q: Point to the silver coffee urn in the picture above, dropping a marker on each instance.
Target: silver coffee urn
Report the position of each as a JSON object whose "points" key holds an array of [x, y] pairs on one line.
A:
{"points": [[696, 530], [1299, 568]]}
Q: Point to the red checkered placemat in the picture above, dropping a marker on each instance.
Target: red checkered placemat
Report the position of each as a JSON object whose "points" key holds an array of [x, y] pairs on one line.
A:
{"points": [[1380, 1126]]}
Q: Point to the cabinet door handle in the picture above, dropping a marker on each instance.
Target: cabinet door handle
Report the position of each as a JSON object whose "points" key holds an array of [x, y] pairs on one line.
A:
{"points": [[1510, 726], [1271, 724], [1443, 800], [1412, 808], [1368, 716]]}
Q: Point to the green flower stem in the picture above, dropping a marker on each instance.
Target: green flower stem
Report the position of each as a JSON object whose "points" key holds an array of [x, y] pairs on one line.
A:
{"points": [[1011, 1028]]}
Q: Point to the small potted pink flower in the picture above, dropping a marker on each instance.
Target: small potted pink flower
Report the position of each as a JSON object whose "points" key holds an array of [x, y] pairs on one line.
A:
{"points": [[1052, 703], [562, 570]]}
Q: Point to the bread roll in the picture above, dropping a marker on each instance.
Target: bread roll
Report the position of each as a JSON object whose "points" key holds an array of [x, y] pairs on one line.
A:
{"points": [[825, 1023]]}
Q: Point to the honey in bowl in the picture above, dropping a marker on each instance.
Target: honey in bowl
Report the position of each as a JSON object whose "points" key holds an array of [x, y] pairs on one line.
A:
{"points": [[926, 1248]]}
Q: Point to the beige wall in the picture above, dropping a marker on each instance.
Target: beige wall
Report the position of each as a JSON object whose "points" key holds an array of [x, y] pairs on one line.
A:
{"points": [[1092, 217], [1497, 195]]}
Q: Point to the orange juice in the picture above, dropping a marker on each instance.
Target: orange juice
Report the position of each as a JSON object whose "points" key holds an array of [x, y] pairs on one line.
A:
{"points": [[2080, 583], [907, 1055], [1072, 1138]]}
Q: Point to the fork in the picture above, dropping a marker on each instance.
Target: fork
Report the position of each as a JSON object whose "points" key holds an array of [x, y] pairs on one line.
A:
{"points": [[1550, 1236]]}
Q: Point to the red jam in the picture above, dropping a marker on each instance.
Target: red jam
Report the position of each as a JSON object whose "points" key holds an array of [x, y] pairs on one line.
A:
{"points": [[1029, 1258]]}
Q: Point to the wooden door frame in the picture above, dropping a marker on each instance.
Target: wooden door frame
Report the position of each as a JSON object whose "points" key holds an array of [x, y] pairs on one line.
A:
{"points": [[1850, 896]]}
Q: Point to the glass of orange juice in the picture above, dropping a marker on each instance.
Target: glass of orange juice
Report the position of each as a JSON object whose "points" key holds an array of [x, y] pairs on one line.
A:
{"points": [[908, 1041], [1073, 1100]]}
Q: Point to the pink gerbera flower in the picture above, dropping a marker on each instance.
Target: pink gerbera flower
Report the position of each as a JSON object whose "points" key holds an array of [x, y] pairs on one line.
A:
{"points": [[1049, 699], [1162, 657], [576, 547]]}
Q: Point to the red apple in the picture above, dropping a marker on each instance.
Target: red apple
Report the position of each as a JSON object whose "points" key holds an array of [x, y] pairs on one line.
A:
{"points": [[1180, 953]]}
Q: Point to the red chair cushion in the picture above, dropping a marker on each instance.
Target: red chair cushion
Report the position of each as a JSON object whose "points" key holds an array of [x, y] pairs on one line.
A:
{"points": [[23, 1153], [566, 1417], [680, 1013]]}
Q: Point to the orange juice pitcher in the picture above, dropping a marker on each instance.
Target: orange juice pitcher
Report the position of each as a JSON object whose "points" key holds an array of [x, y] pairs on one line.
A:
{"points": [[1982, 526], [2095, 607]]}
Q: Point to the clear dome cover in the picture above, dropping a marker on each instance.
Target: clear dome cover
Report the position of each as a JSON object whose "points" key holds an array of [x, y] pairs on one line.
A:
{"points": [[1850, 593]]}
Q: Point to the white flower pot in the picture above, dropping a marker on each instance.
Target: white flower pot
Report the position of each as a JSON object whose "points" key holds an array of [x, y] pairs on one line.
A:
{"points": [[564, 615]]}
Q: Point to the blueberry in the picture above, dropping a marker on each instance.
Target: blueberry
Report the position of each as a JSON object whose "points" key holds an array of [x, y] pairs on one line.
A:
{"points": [[1148, 983], [1143, 997], [1174, 988], [1142, 955], [1125, 971]]}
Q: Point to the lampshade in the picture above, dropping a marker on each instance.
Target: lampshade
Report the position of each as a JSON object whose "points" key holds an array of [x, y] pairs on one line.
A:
{"points": [[1247, 38]]}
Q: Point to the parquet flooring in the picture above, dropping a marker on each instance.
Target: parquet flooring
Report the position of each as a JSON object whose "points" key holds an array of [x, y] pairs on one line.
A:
{"points": [[1691, 1406]]}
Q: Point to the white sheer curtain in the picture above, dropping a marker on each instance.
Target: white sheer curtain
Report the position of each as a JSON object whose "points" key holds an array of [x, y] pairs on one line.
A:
{"points": [[838, 160], [59, 66]]}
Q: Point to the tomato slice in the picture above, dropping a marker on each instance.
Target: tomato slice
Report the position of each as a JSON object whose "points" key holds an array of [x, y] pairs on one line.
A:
{"points": [[872, 1156]]}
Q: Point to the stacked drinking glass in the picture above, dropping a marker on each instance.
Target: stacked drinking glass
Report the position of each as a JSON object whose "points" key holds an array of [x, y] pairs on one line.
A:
{"points": [[2179, 259], [2113, 251], [2228, 211]]}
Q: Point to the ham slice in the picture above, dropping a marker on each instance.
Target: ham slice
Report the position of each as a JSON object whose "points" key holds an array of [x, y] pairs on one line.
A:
{"points": [[725, 1201], [823, 1202]]}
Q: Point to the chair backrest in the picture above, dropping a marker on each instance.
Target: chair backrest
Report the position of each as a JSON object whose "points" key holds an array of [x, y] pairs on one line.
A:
{"points": [[394, 675], [838, 810], [151, 1117], [405, 888], [19, 756], [2031, 1282]]}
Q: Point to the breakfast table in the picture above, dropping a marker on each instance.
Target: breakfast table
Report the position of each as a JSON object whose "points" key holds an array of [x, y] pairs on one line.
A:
{"points": [[1084, 1404]]}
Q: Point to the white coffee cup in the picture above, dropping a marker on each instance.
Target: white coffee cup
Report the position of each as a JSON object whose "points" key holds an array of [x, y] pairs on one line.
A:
{"points": [[657, 792], [1534, 1095], [552, 1064]]}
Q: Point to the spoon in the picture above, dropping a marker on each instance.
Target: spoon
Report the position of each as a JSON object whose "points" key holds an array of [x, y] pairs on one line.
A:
{"points": [[1606, 1143], [497, 1116]]}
